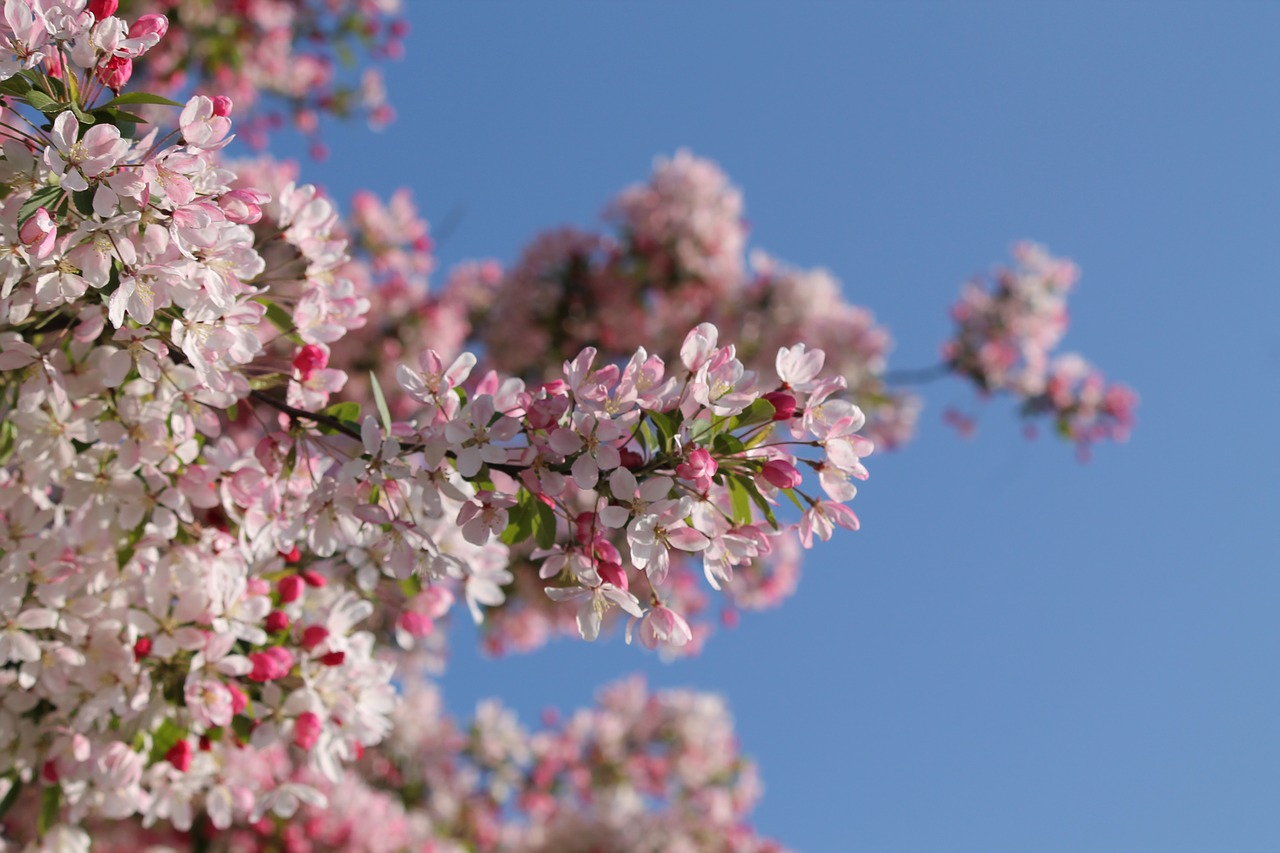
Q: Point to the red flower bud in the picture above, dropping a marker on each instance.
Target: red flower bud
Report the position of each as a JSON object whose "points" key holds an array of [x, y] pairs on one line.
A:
{"points": [[276, 622], [179, 755], [290, 588], [141, 648], [313, 636], [784, 404]]}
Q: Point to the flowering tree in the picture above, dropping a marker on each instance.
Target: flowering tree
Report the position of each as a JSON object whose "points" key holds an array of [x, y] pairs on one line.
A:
{"points": [[249, 461]]}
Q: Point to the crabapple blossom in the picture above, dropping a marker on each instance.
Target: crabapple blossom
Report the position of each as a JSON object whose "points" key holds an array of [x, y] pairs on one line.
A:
{"points": [[247, 466]]}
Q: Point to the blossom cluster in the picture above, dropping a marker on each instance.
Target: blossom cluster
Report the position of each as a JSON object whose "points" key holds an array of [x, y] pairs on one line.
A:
{"points": [[1006, 334], [278, 59], [201, 554], [640, 771]]}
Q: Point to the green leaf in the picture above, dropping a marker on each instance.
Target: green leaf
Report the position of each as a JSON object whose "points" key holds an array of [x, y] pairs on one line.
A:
{"points": [[114, 116], [15, 790], [761, 411], [82, 116], [741, 500], [83, 200], [163, 739], [383, 411], [728, 445], [139, 98], [50, 806], [668, 424], [765, 508], [348, 413], [46, 198], [15, 86], [520, 520], [43, 102], [242, 726], [544, 525]]}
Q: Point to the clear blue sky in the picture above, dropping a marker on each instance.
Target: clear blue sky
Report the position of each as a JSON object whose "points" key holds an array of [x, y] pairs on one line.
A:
{"points": [[1017, 652]]}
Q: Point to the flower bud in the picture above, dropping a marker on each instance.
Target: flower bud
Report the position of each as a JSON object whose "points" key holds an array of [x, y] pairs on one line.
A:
{"points": [[614, 574], [784, 404], [39, 233], [179, 755], [141, 648], [102, 8], [221, 105], [309, 359], [313, 636], [306, 729], [781, 474], [115, 72], [290, 588], [270, 664], [276, 622], [149, 25]]}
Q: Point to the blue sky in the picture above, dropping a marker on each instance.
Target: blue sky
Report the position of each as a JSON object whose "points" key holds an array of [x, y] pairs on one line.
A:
{"points": [[1017, 652]]}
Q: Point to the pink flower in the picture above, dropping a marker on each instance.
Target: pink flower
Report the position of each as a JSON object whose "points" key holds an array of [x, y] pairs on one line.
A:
{"points": [[663, 626]]}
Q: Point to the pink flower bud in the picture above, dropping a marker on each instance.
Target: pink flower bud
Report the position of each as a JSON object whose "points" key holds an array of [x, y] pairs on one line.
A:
{"points": [[310, 359], [115, 72], [270, 664], [781, 474], [784, 404], [39, 233], [416, 624], [313, 636], [614, 574], [314, 578], [306, 729], [141, 648], [239, 701], [293, 555], [221, 105], [243, 207], [149, 25], [631, 460], [276, 622], [179, 755], [290, 588], [102, 8], [333, 658]]}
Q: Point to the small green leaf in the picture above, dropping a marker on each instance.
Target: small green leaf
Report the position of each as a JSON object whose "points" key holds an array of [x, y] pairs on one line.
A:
{"points": [[741, 500], [139, 98], [43, 102], [15, 86], [544, 528], [12, 797], [163, 739], [383, 411], [111, 115], [46, 198], [791, 493], [50, 806], [761, 411], [83, 200], [728, 445], [765, 509], [348, 412], [668, 424], [520, 521], [82, 116]]}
